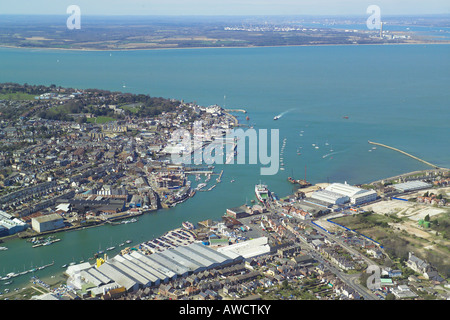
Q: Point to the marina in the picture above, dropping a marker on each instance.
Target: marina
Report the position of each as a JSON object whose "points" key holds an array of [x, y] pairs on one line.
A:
{"points": [[41, 241], [12, 275]]}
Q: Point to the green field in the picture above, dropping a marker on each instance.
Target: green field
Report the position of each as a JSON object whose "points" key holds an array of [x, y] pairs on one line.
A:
{"points": [[101, 119], [133, 108], [17, 96]]}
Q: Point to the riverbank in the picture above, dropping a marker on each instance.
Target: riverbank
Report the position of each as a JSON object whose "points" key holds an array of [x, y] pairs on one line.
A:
{"points": [[96, 223]]}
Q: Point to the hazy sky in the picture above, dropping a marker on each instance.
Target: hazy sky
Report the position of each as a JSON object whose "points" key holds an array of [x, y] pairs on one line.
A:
{"points": [[225, 7]]}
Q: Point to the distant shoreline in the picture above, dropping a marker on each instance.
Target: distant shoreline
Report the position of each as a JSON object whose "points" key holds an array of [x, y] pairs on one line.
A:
{"points": [[228, 47]]}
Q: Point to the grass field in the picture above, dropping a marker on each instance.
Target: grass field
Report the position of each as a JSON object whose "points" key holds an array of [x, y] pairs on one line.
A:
{"points": [[401, 235], [101, 120], [17, 96]]}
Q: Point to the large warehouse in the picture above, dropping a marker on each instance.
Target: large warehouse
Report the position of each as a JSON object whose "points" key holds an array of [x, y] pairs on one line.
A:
{"points": [[248, 249], [136, 270], [47, 222], [357, 195], [330, 197], [411, 186]]}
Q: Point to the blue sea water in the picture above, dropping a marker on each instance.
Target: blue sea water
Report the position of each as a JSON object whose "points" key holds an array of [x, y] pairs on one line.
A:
{"points": [[393, 94]]}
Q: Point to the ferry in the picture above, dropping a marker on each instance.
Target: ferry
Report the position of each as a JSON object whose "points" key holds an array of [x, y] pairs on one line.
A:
{"points": [[262, 193]]}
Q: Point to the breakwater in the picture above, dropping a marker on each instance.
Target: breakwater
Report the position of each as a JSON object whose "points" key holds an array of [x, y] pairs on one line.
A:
{"points": [[405, 153]]}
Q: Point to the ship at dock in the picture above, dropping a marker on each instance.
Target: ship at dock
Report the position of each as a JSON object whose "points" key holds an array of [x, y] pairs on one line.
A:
{"points": [[262, 193]]}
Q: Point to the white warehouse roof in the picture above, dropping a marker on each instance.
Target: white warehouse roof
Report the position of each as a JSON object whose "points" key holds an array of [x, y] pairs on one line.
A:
{"points": [[248, 249], [345, 189], [153, 264], [134, 270], [356, 195], [411, 186], [330, 197]]}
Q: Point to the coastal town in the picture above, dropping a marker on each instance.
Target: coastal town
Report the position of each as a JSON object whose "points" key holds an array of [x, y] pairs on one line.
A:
{"points": [[72, 159], [79, 172]]}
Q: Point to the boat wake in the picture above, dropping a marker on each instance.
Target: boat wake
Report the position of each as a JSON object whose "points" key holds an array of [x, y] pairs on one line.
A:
{"points": [[282, 114], [332, 153]]}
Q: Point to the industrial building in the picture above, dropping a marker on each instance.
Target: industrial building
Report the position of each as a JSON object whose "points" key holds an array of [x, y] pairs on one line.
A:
{"points": [[411, 186], [47, 223], [356, 195], [330, 197], [10, 225], [135, 270], [248, 249], [238, 212]]}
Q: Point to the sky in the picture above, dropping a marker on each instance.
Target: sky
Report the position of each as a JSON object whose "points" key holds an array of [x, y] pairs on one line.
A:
{"points": [[225, 7]]}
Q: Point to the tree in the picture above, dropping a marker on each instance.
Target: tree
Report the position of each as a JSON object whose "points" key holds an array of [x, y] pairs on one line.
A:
{"points": [[427, 217], [390, 296], [82, 120]]}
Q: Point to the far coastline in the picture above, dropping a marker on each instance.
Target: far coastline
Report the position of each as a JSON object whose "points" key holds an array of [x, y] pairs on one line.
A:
{"points": [[226, 47]]}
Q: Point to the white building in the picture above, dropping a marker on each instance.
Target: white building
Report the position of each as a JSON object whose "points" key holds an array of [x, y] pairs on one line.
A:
{"points": [[403, 291], [10, 225], [135, 270], [247, 249], [330, 197], [47, 222], [411, 186], [357, 195]]}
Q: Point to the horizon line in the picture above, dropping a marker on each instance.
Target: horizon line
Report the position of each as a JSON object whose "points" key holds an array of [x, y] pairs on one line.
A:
{"points": [[227, 15]]}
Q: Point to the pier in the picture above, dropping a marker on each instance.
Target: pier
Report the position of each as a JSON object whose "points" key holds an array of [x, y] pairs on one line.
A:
{"points": [[405, 153]]}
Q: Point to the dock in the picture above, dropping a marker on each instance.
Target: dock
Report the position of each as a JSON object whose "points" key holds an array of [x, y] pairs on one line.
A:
{"points": [[220, 176], [405, 153]]}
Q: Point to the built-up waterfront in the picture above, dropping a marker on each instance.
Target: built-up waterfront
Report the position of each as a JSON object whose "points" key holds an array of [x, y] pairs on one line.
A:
{"points": [[349, 137], [294, 233], [92, 174]]}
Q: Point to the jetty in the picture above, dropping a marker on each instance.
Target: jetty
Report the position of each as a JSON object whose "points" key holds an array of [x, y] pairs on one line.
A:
{"points": [[405, 153]]}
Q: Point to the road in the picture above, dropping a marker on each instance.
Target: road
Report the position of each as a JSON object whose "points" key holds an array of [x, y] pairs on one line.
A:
{"points": [[351, 280]]}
